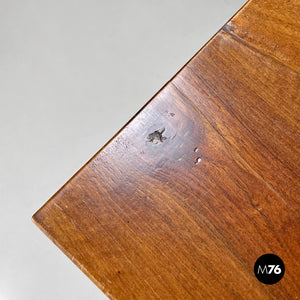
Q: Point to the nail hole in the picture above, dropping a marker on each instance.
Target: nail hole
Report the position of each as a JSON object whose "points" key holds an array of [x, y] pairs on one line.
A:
{"points": [[198, 160]]}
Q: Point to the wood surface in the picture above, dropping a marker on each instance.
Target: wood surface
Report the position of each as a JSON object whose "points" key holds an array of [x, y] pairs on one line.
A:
{"points": [[203, 180]]}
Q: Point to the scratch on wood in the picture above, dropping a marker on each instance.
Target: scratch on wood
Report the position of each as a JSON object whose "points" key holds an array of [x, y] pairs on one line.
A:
{"points": [[55, 204]]}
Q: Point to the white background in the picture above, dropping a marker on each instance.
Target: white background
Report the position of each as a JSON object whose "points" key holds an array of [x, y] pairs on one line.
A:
{"points": [[72, 73]]}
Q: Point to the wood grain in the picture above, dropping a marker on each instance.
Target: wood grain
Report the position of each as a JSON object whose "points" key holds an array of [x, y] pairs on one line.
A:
{"points": [[201, 182], [250, 109], [271, 26]]}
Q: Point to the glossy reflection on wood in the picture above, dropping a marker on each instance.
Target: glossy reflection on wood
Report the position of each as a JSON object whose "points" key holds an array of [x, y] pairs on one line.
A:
{"points": [[202, 181]]}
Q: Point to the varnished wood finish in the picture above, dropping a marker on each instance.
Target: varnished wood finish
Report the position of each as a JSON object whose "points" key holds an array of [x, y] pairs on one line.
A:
{"points": [[272, 27], [203, 180]]}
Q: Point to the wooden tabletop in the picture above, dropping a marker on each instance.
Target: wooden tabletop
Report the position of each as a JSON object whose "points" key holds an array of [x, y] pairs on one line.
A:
{"points": [[203, 180]]}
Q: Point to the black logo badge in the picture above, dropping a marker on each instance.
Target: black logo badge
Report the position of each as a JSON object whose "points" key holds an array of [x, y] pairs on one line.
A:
{"points": [[269, 268]]}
